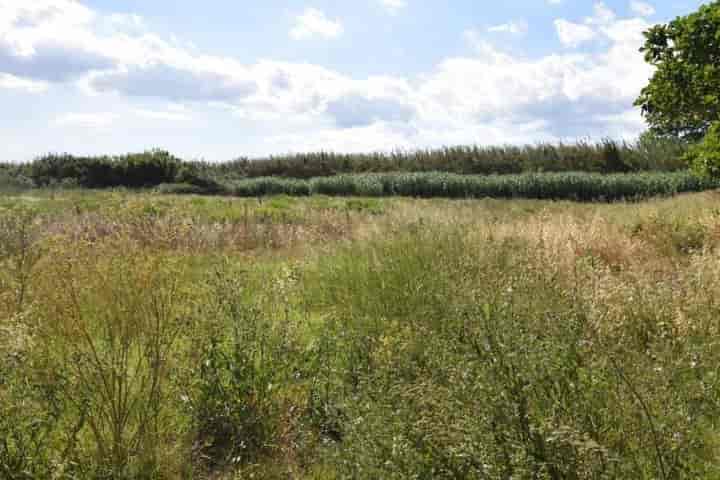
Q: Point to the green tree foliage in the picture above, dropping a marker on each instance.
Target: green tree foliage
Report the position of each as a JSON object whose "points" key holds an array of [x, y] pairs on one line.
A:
{"points": [[683, 96], [704, 158], [133, 170]]}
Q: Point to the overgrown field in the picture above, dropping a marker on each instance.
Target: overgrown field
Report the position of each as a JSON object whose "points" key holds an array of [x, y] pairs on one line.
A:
{"points": [[147, 336]]}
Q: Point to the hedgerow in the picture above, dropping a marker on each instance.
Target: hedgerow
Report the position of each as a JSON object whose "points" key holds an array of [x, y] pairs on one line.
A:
{"points": [[155, 167]]}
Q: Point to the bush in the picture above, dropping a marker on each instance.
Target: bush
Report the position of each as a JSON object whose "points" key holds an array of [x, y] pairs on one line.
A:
{"points": [[115, 346], [704, 158], [135, 170], [180, 189], [237, 400], [12, 181], [147, 169]]}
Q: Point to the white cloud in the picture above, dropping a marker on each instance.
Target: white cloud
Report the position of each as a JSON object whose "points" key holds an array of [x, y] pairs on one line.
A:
{"points": [[48, 13], [625, 124], [48, 40], [125, 22], [378, 136], [567, 94], [496, 84], [489, 96], [642, 8], [178, 82], [171, 116], [623, 60], [12, 82], [602, 15], [102, 120], [355, 110], [573, 34], [514, 28], [313, 22], [479, 44], [86, 120], [393, 6]]}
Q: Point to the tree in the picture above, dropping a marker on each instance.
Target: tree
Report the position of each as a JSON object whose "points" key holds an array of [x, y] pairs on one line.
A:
{"points": [[704, 157], [683, 96]]}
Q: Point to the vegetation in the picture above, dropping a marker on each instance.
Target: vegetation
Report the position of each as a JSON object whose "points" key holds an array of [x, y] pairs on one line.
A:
{"points": [[575, 186], [682, 97], [704, 157], [133, 170], [149, 335], [648, 153], [607, 170], [156, 336]]}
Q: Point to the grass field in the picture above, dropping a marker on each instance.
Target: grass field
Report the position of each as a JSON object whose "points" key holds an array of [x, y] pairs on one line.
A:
{"points": [[161, 336]]}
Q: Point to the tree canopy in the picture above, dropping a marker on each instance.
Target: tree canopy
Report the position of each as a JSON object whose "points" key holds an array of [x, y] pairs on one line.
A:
{"points": [[683, 96]]}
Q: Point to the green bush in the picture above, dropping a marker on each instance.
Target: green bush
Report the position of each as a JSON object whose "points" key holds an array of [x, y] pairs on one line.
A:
{"points": [[12, 181], [180, 189], [115, 347], [704, 158], [246, 362], [135, 170], [30, 412]]}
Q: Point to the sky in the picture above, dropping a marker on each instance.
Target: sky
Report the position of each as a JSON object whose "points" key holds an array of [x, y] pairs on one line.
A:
{"points": [[221, 79]]}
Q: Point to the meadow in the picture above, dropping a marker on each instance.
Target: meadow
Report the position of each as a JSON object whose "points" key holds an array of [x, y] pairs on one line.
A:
{"points": [[158, 336]]}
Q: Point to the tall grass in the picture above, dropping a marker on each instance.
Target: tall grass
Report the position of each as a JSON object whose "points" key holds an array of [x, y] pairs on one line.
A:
{"points": [[646, 154], [576, 186], [428, 339]]}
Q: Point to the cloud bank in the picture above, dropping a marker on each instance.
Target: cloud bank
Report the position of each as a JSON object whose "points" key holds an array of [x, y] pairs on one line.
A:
{"points": [[488, 96]]}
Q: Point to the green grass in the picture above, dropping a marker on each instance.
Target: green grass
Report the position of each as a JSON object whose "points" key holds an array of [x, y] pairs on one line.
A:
{"points": [[177, 336]]}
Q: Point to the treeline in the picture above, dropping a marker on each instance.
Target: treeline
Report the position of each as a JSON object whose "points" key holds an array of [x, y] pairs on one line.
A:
{"points": [[136, 170], [648, 153], [156, 167]]}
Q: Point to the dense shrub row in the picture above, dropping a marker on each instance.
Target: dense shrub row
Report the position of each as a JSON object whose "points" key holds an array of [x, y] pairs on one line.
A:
{"points": [[136, 170], [12, 178], [155, 167], [133, 170], [647, 153], [572, 185]]}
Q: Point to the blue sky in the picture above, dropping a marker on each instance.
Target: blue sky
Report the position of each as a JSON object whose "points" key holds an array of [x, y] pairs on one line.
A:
{"points": [[219, 79]]}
